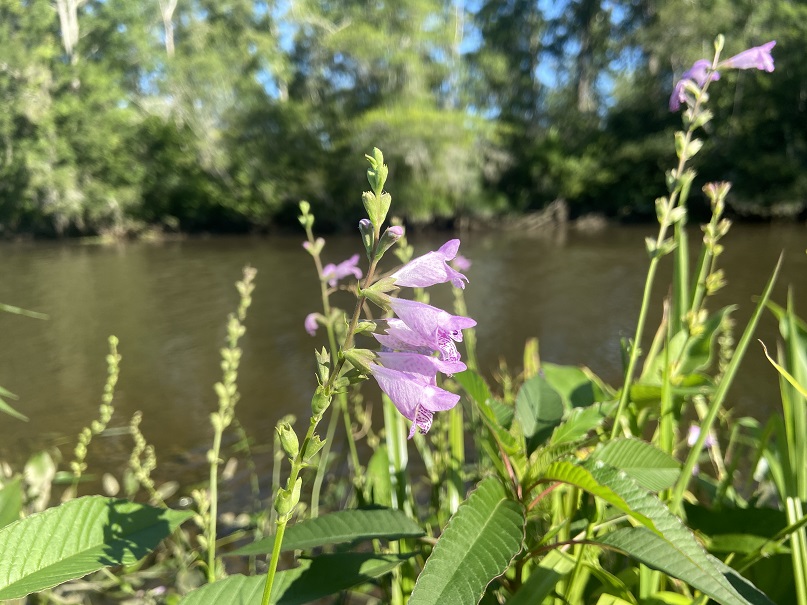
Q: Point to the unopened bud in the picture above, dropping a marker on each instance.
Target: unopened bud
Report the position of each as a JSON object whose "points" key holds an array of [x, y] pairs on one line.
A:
{"points": [[360, 358], [288, 439], [283, 502], [388, 239], [320, 402], [367, 235], [314, 445], [377, 293]]}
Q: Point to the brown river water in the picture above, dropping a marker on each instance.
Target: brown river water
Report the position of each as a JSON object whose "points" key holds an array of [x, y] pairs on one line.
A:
{"points": [[168, 302]]}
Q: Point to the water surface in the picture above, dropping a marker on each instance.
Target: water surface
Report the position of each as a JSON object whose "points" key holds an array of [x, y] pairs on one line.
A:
{"points": [[168, 302]]}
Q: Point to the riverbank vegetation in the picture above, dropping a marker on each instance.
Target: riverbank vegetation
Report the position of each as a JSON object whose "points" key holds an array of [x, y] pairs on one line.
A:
{"points": [[545, 485], [121, 117]]}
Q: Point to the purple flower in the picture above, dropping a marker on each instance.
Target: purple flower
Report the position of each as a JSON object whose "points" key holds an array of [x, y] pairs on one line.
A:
{"points": [[431, 269], [311, 324], [415, 363], [334, 273], [758, 57], [416, 395], [695, 432], [425, 327], [698, 74], [460, 263]]}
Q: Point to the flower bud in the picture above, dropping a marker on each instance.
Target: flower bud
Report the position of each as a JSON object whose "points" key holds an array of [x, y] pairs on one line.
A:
{"points": [[283, 503], [367, 235], [314, 445], [388, 239], [288, 439], [320, 402], [360, 358]]}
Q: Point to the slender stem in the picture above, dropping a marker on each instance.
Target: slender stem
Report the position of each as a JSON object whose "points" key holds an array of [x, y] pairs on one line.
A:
{"points": [[323, 463], [214, 506], [651, 271], [270, 574], [299, 461], [720, 395]]}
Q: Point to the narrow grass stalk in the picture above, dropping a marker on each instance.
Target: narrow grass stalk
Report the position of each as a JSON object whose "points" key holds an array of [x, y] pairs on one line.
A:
{"points": [[227, 391], [720, 395]]}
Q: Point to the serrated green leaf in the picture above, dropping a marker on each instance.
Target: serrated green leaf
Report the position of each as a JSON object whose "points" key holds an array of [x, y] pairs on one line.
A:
{"points": [[651, 468], [340, 527], [539, 409], [585, 479], [552, 568], [10, 501], [693, 566], [78, 537], [479, 543], [313, 579]]}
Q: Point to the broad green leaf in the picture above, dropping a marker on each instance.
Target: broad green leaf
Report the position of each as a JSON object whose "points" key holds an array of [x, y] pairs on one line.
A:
{"points": [[651, 468], [573, 384], [584, 478], [539, 409], [378, 484], [678, 560], [474, 385], [10, 501], [339, 527], [313, 579], [743, 544], [580, 421], [543, 578], [762, 522], [76, 538], [479, 543]]}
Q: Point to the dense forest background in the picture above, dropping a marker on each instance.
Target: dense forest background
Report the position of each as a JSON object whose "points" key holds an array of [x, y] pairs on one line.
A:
{"points": [[220, 115]]}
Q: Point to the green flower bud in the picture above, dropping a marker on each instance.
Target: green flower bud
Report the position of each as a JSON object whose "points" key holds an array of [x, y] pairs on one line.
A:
{"points": [[288, 439], [314, 445], [377, 293], [320, 402], [360, 358], [283, 502]]}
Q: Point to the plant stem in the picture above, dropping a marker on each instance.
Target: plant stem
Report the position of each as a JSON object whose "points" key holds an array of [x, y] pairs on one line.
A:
{"points": [[651, 270], [270, 574]]}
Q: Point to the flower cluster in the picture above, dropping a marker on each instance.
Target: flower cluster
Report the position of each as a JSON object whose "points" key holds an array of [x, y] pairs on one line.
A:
{"points": [[420, 342], [758, 57]]}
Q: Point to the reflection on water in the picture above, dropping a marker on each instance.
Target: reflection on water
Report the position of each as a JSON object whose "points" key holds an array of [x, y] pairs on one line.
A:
{"points": [[579, 294]]}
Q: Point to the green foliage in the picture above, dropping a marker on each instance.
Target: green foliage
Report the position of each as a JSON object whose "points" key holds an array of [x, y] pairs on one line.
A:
{"points": [[79, 537], [340, 527], [478, 544], [539, 409], [311, 580]]}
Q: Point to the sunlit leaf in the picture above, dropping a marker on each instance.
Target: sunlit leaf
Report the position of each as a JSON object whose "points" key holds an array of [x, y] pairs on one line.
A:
{"points": [[651, 468], [340, 527], [479, 543], [313, 579], [76, 538], [539, 409]]}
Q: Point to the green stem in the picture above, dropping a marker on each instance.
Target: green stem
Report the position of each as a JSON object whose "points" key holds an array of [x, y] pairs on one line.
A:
{"points": [[720, 396], [325, 454], [651, 272], [214, 501], [270, 574]]}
